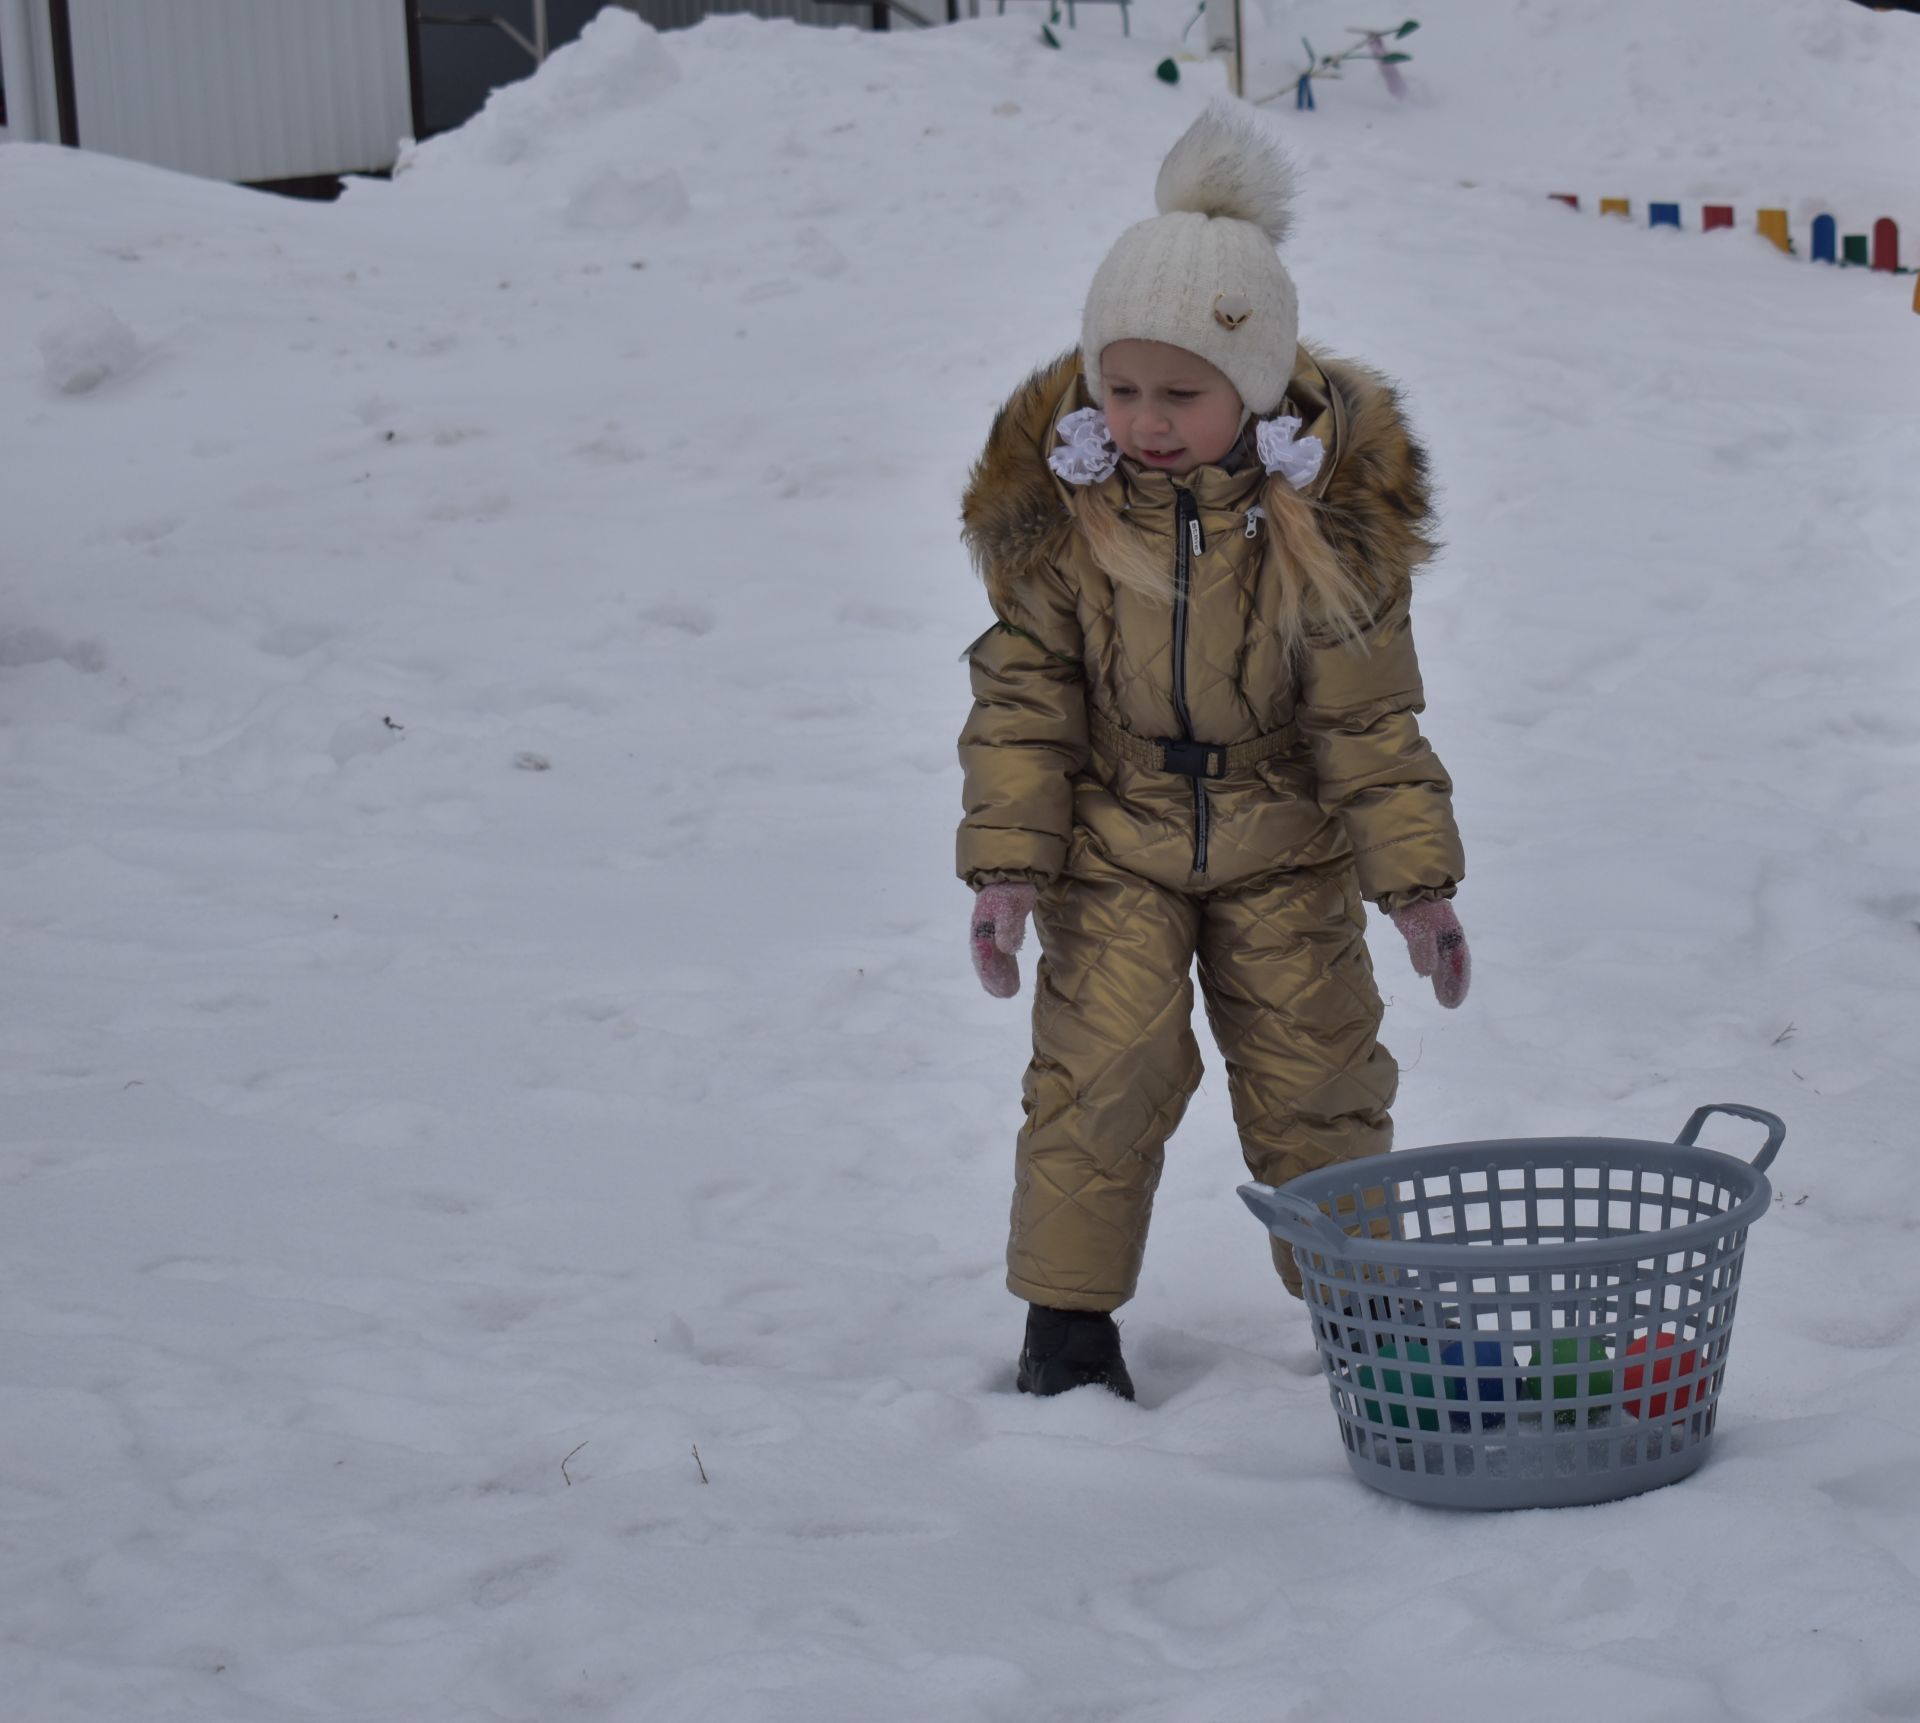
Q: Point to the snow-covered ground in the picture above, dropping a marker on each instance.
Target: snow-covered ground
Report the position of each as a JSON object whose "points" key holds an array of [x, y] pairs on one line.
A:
{"points": [[489, 1006]]}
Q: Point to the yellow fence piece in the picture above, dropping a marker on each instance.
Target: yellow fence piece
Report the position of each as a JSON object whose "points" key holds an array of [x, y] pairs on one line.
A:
{"points": [[1772, 224], [1616, 206]]}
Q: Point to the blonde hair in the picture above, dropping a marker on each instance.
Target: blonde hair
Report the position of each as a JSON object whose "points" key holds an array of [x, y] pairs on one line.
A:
{"points": [[1318, 593], [1124, 554]]}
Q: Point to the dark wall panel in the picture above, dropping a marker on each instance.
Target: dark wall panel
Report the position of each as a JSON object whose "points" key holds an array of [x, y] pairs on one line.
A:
{"points": [[462, 62]]}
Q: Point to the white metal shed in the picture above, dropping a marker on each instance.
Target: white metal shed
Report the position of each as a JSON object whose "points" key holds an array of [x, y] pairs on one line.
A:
{"points": [[257, 91]]}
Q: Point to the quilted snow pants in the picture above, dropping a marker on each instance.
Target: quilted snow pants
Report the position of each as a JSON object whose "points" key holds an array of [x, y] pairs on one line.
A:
{"points": [[1290, 995]]}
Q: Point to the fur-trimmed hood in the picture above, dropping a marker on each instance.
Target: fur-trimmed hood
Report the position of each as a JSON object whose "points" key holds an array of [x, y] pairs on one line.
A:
{"points": [[1377, 506]]}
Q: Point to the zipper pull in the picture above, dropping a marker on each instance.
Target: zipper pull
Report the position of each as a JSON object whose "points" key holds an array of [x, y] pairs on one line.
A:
{"points": [[1193, 537], [1255, 516]]}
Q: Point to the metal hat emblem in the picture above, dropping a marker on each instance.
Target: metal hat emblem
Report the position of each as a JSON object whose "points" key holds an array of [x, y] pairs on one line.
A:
{"points": [[1230, 310]]}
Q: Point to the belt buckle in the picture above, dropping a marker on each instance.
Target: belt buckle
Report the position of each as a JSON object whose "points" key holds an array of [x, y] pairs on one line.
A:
{"points": [[1193, 759]]}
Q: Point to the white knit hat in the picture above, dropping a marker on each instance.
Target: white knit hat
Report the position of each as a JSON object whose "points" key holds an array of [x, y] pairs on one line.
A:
{"points": [[1203, 274]]}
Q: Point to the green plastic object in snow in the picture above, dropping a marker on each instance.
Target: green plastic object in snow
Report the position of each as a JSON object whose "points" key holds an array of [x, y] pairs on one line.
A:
{"points": [[1391, 1381], [1567, 1387]]}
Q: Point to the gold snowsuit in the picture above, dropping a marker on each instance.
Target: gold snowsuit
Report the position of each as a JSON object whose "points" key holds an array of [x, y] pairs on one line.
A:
{"points": [[1259, 873]]}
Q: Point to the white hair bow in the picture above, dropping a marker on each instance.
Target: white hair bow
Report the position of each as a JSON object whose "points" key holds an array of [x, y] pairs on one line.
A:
{"points": [[1283, 450], [1089, 454]]}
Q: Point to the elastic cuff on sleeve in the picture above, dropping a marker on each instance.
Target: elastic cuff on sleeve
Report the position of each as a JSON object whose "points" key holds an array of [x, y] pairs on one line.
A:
{"points": [[1389, 901], [1008, 876]]}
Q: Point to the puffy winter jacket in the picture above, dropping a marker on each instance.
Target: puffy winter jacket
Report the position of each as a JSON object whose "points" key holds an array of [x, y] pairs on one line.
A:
{"points": [[1080, 675]]}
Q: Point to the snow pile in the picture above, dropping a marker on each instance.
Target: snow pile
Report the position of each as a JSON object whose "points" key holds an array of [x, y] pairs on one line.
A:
{"points": [[477, 703], [582, 93], [86, 348]]}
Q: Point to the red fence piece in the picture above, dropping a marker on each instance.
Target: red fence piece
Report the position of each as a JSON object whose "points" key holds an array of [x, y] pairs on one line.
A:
{"points": [[1886, 244], [1565, 197], [1716, 215]]}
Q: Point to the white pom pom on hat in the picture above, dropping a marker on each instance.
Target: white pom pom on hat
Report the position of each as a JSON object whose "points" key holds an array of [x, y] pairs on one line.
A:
{"points": [[1204, 274]]}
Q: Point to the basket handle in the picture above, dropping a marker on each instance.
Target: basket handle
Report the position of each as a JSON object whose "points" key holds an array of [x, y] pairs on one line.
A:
{"points": [[1776, 1130], [1293, 1218]]}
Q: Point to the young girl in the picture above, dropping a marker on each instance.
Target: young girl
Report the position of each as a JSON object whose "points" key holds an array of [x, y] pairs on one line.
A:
{"points": [[1193, 736]]}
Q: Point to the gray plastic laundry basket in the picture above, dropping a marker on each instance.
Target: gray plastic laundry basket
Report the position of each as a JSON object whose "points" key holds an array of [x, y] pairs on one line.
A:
{"points": [[1536, 1322]]}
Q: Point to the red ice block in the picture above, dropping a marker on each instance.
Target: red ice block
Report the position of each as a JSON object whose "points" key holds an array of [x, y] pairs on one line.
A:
{"points": [[1635, 1376], [1886, 244]]}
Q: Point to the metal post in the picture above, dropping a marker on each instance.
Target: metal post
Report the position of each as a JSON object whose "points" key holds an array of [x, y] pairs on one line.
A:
{"points": [[66, 101], [540, 32], [1224, 37]]}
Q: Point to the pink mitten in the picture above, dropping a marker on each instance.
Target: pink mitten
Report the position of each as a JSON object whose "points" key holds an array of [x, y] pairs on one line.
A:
{"points": [[1437, 947], [999, 925]]}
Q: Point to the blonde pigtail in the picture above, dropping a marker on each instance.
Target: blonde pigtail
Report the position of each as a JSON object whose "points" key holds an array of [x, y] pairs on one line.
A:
{"points": [[1124, 554], [1318, 595]]}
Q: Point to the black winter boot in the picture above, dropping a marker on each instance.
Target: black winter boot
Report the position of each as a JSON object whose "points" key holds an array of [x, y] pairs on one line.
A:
{"points": [[1069, 1349]]}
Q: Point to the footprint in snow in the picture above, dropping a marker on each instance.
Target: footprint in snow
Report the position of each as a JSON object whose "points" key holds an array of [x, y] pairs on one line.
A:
{"points": [[20, 647], [445, 1202], [296, 639], [480, 507], [513, 1581], [888, 618], [690, 619]]}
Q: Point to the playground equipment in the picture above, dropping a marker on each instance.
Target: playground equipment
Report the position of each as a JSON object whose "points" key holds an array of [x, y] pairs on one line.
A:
{"points": [[1879, 251], [1371, 46], [1073, 23]]}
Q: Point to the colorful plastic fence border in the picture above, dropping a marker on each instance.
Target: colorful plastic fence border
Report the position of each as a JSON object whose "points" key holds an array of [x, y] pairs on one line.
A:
{"points": [[1879, 250]]}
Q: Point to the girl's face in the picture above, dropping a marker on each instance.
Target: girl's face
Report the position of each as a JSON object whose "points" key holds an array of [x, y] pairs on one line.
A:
{"points": [[1168, 408]]}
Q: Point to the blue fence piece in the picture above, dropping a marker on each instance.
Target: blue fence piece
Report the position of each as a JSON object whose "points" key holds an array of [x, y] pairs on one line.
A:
{"points": [[1825, 240], [1663, 215]]}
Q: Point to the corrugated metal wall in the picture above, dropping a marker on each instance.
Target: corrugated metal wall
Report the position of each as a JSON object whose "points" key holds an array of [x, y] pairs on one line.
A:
{"points": [[244, 89], [679, 14], [26, 64]]}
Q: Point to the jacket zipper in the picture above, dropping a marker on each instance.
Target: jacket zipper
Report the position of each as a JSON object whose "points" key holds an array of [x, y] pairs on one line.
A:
{"points": [[1189, 542]]}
